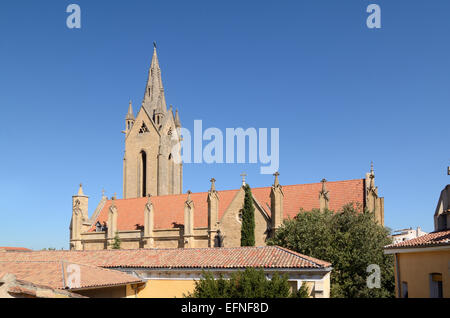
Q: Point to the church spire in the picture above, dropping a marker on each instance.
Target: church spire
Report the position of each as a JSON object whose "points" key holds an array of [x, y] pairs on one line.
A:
{"points": [[130, 115], [154, 99], [80, 191], [177, 119], [129, 120]]}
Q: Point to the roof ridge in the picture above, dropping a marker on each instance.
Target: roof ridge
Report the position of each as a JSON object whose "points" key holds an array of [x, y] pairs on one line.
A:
{"points": [[302, 256], [237, 189], [422, 241]]}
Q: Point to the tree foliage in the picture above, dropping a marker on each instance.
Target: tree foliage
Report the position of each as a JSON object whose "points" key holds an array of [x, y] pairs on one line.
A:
{"points": [[116, 242], [251, 283], [350, 240], [248, 219]]}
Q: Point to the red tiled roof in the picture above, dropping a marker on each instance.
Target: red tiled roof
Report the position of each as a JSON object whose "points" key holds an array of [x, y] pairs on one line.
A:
{"points": [[55, 273], [8, 248], [306, 196], [238, 257], [169, 209], [432, 239]]}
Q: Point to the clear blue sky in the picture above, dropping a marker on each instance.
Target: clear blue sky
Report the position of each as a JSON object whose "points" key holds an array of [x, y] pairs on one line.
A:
{"points": [[341, 94]]}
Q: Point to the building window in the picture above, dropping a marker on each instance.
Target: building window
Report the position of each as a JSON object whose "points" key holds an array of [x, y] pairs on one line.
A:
{"points": [[435, 285], [144, 173], [404, 290], [218, 240], [442, 222], [239, 217], [143, 129]]}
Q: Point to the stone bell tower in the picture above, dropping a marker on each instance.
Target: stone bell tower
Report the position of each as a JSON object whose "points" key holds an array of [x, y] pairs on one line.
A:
{"points": [[152, 161]]}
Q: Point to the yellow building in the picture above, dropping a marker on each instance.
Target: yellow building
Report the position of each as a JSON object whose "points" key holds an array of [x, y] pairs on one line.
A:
{"points": [[422, 265]]}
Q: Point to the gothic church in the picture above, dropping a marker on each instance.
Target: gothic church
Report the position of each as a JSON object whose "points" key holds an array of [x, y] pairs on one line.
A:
{"points": [[154, 212]]}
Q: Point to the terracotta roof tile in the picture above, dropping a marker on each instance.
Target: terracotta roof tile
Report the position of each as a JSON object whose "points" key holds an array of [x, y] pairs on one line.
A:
{"points": [[239, 257], [169, 209], [22, 290], [51, 273], [438, 238], [8, 248]]}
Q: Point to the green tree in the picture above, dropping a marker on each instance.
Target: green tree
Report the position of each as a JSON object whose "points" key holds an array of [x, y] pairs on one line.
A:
{"points": [[350, 240], [116, 242], [251, 283], [248, 219]]}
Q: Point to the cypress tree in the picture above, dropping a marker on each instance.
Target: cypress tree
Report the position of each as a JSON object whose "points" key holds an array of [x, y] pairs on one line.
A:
{"points": [[248, 219]]}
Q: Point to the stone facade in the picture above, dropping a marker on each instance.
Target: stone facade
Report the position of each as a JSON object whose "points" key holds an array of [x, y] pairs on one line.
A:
{"points": [[208, 219]]}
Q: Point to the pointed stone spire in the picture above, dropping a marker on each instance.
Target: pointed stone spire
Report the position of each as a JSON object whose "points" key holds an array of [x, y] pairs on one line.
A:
{"points": [[276, 204], [80, 191], [213, 213], [189, 196], [276, 182], [323, 196], [154, 98], [177, 119], [189, 240], [130, 115], [372, 176], [324, 190]]}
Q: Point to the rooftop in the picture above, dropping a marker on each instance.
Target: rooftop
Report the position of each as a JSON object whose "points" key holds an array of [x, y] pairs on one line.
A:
{"points": [[56, 274], [169, 209], [195, 258], [439, 238], [15, 249]]}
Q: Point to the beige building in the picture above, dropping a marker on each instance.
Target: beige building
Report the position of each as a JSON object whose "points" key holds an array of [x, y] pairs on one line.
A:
{"points": [[170, 219], [422, 264], [406, 234]]}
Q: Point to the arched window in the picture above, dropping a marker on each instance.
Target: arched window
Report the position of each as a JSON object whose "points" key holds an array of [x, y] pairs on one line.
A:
{"points": [[171, 172], [144, 173], [218, 239]]}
